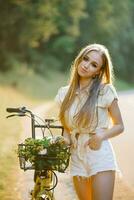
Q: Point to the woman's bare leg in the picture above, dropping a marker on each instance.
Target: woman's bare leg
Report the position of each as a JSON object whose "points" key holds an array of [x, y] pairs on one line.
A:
{"points": [[83, 187], [103, 185]]}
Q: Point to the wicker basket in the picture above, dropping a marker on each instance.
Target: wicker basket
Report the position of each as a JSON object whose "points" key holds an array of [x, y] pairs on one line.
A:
{"points": [[52, 158]]}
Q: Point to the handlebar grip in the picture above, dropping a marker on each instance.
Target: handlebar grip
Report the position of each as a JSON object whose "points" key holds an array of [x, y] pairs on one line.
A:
{"points": [[17, 110]]}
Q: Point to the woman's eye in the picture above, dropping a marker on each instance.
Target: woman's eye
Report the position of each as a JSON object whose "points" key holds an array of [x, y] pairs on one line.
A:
{"points": [[94, 65], [85, 58]]}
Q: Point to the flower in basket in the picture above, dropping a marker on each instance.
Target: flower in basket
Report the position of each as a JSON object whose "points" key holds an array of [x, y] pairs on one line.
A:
{"points": [[54, 149]]}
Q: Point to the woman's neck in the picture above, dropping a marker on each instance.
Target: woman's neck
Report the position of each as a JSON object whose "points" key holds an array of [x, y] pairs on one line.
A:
{"points": [[83, 83]]}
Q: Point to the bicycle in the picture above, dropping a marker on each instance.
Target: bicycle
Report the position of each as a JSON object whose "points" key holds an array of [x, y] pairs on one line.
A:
{"points": [[45, 155]]}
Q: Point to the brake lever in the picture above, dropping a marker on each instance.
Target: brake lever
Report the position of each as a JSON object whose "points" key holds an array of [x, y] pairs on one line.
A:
{"points": [[19, 114]]}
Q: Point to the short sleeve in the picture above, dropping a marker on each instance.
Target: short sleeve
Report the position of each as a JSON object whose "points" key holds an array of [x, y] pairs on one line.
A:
{"points": [[61, 94], [107, 95]]}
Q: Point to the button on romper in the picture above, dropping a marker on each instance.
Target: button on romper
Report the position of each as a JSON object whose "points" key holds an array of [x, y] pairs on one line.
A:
{"points": [[85, 161]]}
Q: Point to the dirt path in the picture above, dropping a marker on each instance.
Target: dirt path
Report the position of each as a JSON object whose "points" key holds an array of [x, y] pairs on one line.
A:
{"points": [[122, 145]]}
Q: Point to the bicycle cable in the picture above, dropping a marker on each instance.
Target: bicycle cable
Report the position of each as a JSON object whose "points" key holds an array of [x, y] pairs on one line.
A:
{"points": [[36, 122], [46, 124], [56, 181]]}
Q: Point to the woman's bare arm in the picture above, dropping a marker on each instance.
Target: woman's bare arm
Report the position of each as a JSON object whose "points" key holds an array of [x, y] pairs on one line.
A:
{"points": [[118, 126], [103, 134]]}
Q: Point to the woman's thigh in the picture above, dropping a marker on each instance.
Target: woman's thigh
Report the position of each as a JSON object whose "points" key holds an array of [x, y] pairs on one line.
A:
{"points": [[82, 187], [103, 185]]}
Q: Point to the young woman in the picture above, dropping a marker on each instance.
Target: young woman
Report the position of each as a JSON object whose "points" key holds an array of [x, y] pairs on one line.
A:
{"points": [[90, 115]]}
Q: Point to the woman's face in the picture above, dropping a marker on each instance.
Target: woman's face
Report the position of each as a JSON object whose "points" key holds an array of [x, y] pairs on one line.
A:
{"points": [[90, 64]]}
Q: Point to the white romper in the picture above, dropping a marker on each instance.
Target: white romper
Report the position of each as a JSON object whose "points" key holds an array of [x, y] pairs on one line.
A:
{"points": [[84, 161]]}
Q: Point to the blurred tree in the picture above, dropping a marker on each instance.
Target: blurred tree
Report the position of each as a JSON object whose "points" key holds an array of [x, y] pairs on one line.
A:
{"points": [[110, 22], [125, 38], [38, 27], [46, 33]]}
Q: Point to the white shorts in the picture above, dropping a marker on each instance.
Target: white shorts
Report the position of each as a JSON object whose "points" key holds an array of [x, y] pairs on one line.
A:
{"points": [[95, 161]]}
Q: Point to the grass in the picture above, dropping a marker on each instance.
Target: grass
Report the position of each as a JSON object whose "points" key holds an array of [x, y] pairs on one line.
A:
{"points": [[9, 135], [122, 85], [34, 85]]}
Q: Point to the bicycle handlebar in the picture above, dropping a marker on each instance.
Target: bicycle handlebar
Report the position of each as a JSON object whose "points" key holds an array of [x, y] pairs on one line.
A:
{"points": [[22, 111], [16, 110]]}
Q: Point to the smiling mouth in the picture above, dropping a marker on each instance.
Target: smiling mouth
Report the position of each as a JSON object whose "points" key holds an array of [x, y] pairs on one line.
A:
{"points": [[83, 70]]}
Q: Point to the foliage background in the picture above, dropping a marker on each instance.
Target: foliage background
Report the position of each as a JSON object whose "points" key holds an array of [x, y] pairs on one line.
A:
{"points": [[43, 34]]}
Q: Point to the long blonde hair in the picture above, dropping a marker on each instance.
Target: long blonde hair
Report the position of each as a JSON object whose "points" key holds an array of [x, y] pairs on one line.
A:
{"points": [[85, 115]]}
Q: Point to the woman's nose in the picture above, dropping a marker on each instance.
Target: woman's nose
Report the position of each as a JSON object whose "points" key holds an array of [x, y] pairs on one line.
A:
{"points": [[87, 65]]}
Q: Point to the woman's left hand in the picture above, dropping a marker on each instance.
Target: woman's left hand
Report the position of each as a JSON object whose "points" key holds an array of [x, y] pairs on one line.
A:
{"points": [[96, 140]]}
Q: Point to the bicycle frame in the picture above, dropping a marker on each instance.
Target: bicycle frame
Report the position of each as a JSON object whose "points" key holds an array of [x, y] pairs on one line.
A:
{"points": [[34, 126], [43, 178], [22, 112]]}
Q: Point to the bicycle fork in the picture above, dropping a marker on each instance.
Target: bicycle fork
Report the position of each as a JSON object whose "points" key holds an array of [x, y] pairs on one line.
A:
{"points": [[42, 187]]}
